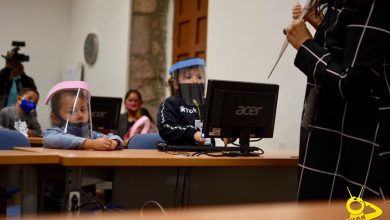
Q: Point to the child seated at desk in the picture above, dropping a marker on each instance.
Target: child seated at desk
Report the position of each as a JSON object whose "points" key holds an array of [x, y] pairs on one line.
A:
{"points": [[22, 116], [71, 120], [179, 116]]}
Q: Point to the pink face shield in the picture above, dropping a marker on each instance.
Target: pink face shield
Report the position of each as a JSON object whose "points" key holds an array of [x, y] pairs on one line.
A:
{"points": [[70, 107], [66, 85]]}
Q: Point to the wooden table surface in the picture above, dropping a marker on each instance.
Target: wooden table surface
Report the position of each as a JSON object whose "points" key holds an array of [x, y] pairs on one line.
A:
{"points": [[157, 158], [14, 157], [290, 211]]}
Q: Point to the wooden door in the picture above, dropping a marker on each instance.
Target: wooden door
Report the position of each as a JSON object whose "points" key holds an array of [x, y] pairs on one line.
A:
{"points": [[190, 29]]}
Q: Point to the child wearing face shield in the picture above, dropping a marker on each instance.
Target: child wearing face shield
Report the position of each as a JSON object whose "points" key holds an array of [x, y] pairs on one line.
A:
{"points": [[179, 116], [71, 120], [22, 117]]}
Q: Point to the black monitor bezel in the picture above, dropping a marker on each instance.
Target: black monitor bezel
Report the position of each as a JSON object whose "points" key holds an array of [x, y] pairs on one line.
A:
{"points": [[105, 99], [239, 86]]}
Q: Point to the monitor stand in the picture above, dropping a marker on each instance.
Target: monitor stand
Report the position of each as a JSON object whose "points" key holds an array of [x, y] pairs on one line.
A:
{"points": [[244, 145]]}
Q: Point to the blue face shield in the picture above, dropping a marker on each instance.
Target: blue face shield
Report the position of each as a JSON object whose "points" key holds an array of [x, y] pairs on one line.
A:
{"points": [[27, 105]]}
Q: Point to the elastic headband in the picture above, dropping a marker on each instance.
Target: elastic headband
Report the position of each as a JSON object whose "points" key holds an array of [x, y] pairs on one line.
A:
{"points": [[186, 63], [66, 85]]}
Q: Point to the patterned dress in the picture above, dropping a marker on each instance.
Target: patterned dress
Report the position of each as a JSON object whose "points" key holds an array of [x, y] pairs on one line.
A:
{"points": [[346, 142]]}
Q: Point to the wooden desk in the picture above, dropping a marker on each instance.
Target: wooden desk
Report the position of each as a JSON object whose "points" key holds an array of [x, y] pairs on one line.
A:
{"points": [[36, 141], [214, 180], [17, 169], [290, 211], [15, 157], [161, 159]]}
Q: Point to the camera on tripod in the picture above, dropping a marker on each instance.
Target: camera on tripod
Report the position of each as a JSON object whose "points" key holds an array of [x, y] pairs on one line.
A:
{"points": [[14, 54]]}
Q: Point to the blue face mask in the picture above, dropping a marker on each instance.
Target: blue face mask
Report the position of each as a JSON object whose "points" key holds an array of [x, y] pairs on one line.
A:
{"points": [[27, 105], [78, 129]]}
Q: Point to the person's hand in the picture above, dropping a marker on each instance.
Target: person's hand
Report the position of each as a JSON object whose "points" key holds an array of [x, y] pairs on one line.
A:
{"points": [[114, 143], [227, 141], [100, 144], [297, 33], [296, 11], [311, 17], [198, 138]]}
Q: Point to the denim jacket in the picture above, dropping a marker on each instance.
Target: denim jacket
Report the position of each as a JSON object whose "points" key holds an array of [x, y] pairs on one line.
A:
{"points": [[55, 138]]}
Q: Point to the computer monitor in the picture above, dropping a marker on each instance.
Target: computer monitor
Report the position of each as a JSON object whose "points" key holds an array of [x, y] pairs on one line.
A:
{"points": [[105, 113], [241, 110]]}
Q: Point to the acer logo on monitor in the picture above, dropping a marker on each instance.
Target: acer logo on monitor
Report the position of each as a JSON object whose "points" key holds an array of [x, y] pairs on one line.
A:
{"points": [[98, 114], [248, 110]]}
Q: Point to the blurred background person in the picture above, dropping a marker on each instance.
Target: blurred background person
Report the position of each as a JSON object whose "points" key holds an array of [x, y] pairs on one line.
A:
{"points": [[12, 76], [137, 119], [21, 116]]}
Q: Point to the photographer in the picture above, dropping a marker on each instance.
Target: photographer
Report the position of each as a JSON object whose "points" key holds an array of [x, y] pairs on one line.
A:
{"points": [[12, 76]]}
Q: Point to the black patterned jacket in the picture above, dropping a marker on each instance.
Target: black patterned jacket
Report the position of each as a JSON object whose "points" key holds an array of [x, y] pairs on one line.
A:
{"points": [[347, 144]]}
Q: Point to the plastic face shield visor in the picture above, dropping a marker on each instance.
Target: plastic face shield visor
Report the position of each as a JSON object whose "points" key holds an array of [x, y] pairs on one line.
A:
{"points": [[190, 78], [70, 108]]}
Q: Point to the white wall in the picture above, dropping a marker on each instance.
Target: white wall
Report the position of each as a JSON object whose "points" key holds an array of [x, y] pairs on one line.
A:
{"points": [[55, 31], [244, 39], [44, 25], [110, 21]]}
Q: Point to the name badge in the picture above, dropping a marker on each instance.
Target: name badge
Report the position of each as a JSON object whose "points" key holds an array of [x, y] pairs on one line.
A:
{"points": [[21, 126]]}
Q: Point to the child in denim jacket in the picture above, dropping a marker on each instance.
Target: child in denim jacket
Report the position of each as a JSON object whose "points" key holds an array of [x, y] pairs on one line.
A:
{"points": [[71, 120]]}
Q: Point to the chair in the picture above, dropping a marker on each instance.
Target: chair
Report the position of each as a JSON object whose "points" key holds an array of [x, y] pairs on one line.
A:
{"points": [[144, 141], [10, 139]]}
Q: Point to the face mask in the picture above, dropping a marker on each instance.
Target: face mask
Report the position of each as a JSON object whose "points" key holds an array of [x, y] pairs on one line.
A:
{"points": [[78, 129], [27, 105], [192, 93], [132, 106]]}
